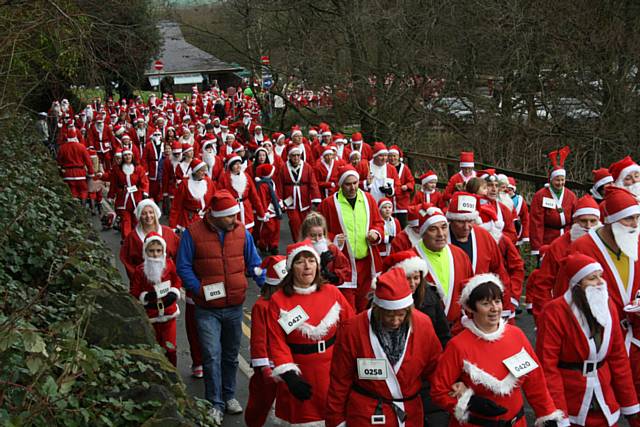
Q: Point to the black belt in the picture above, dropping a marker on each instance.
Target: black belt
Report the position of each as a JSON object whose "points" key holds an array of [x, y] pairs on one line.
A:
{"points": [[585, 367], [319, 347], [402, 415], [555, 227], [495, 423]]}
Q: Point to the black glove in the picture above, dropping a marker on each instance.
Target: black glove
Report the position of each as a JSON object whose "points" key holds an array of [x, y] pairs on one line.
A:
{"points": [[550, 424], [150, 297], [483, 406], [391, 238], [325, 258], [298, 387], [518, 224], [169, 299], [330, 276]]}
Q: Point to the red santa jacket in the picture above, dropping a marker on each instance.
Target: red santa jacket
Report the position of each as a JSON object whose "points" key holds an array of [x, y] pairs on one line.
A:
{"points": [[340, 265], [190, 201], [391, 230], [455, 182], [401, 200], [436, 198], [404, 380], [301, 193], [562, 339], [405, 240], [550, 216], [128, 189], [365, 151], [542, 285], [139, 137], [141, 286], [259, 341], [101, 142], [131, 250], [151, 158], [74, 161], [522, 211], [327, 310], [330, 208], [460, 270], [169, 164], [327, 177], [265, 197], [476, 359], [514, 264], [505, 215], [247, 197]]}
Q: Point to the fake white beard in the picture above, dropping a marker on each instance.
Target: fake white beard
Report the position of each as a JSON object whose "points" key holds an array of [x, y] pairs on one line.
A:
{"points": [[577, 231], [378, 172], [505, 199], [153, 268], [634, 189], [598, 297], [321, 246], [197, 188], [239, 183], [627, 239], [493, 229], [128, 168], [209, 158]]}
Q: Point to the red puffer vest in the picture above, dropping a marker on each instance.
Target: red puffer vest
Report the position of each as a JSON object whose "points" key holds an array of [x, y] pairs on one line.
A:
{"points": [[214, 263]]}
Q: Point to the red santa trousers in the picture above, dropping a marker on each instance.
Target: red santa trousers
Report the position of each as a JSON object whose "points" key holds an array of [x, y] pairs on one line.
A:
{"points": [[268, 234], [155, 190], [262, 394], [79, 188], [166, 333], [295, 221], [363, 267], [192, 335], [127, 222]]}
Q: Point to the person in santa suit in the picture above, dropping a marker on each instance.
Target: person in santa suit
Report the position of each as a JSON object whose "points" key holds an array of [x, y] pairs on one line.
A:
{"points": [[383, 180], [391, 225], [100, 137], [129, 185], [381, 359], [326, 170], [274, 159], [127, 144], [356, 228], [192, 197], [428, 191], [215, 166], [306, 153], [449, 266], [484, 371], [458, 181], [304, 319], [626, 174], [552, 206], [139, 134], [335, 267], [148, 216], [481, 248], [169, 164], [401, 199], [268, 231], [521, 210], [259, 158], [581, 349], [586, 217], [615, 247], [241, 186], [225, 142], [299, 189], [262, 385], [182, 170], [75, 165], [70, 130], [505, 213], [357, 144], [361, 166], [152, 158], [279, 148], [341, 153], [256, 137], [157, 286], [410, 235], [601, 180]]}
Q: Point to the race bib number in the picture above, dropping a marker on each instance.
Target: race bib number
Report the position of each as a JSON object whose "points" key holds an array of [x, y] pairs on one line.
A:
{"points": [[372, 369], [214, 291], [132, 189], [281, 269], [293, 319], [548, 203], [466, 204], [288, 202], [520, 364], [162, 289]]}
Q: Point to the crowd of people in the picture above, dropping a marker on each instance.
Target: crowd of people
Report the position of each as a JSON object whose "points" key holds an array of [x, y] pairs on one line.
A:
{"points": [[396, 303]]}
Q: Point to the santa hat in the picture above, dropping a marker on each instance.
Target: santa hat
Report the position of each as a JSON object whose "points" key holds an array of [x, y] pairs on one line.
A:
{"points": [[143, 204], [118, 152], [119, 130], [237, 147], [296, 248], [150, 238], [339, 138], [294, 149], [186, 147], [503, 179], [224, 124], [223, 204], [127, 151], [277, 136], [265, 170], [466, 159], [266, 142], [379, 149], [558, 158], [392, 290], [232, 158], [428, 176], [354, 153], [295, 130], [356, 137], [258, 150], [126, 137], [476, 281], [429, 215], [577, 266], [384, 201], [345, 172], [196, 165], [412, 216], [512, 183], [600, 177], [407, 260], [394, 149], [488, 175], [487, 213], [463, 207], [324, 129], [620, 169], [176, 147], [186, 117], [618, 203], [209, 143], [586, 206], [329, 149], [276, 268], [313, 131]]}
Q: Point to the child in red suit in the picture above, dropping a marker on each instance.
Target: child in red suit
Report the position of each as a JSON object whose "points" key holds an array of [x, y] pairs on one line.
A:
{"points": [[391, 225], [262, 386], [267, 233], [157, 285]]}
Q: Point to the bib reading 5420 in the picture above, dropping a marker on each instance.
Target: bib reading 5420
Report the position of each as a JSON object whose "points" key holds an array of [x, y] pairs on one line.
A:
{"points": [[294, 318], [214, 291]]}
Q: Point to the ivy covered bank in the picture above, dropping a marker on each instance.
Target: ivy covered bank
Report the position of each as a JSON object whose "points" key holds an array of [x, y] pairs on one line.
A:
{"points": [[75, 348]]}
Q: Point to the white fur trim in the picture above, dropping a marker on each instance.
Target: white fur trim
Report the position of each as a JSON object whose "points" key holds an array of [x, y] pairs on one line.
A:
{"points": [[280, 422], [467, 165], [256, 363], [492, 336], [556, 415], [626, 171], [584, 272], [398, 304], [165, 317], [142, 296], [348, 174], [503, 387], [429, 178], [175, 291], [299, 249], [433, 220], [257, 271], [148, 202], [557, 172], [460, 410], [466, 216], [226, 212], [586, 211], [285, 367], [318, 332], [303, 291], [476, 281], [296, 132], [630, 410], [198, 167], [628, 211], [148, 240], [599, 183], [413, 264]]}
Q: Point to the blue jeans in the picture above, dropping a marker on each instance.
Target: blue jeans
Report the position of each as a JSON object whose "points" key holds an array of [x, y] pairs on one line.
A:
{"points": [[220, 330]]}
